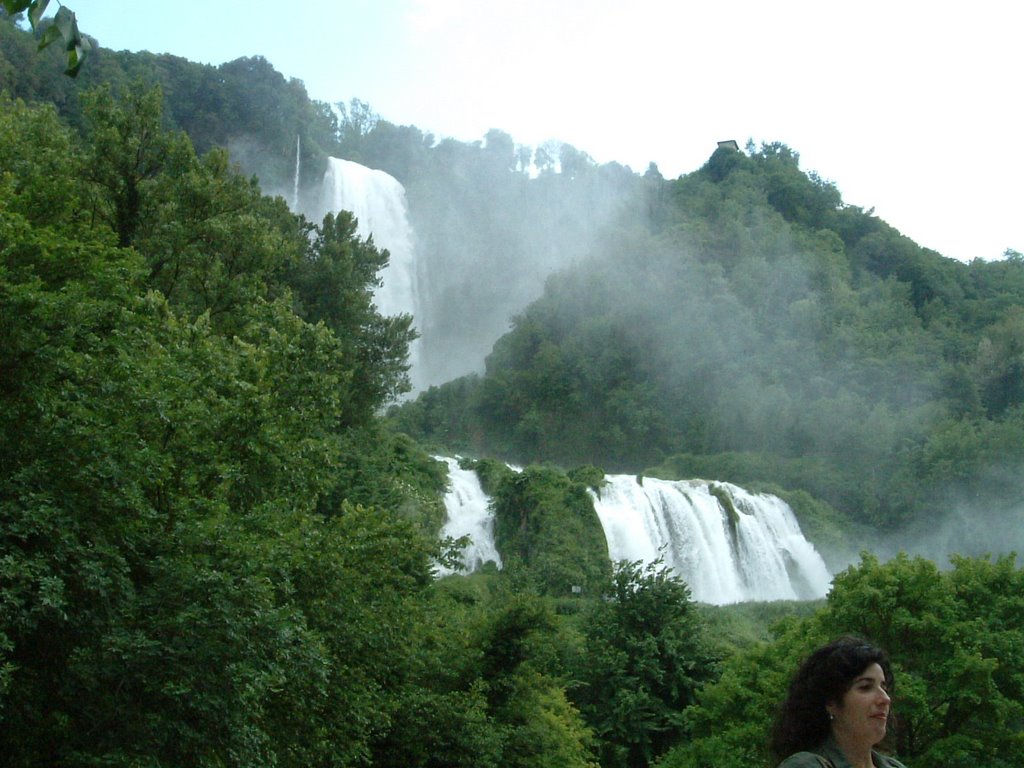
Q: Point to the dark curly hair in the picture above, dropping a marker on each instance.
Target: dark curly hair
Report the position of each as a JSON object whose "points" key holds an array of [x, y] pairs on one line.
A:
{"points": [[802, 722]]}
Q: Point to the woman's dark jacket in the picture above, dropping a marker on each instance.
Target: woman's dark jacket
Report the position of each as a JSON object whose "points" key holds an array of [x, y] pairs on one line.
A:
{"points": [[833, 758]]}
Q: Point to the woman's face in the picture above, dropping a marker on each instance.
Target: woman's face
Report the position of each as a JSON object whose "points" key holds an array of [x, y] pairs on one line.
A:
{"points": [[863, 713]]}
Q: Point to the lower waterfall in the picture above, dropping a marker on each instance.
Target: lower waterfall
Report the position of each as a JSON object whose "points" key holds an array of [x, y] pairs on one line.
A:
{"points": [[727, 544], [469, 514]]}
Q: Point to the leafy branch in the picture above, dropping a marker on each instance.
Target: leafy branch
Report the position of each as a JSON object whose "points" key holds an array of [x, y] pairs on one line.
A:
{"points": [[63, 28]]}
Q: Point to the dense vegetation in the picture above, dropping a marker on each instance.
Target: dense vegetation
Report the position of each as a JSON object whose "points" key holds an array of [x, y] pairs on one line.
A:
{"points": [[756, 329], [213, 551], [180, 408]]}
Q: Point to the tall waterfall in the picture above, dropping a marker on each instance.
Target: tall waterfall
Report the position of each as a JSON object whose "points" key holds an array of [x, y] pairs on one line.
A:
{"points": [[298, 169], [753, 552], [377, 200], [469, 514]]}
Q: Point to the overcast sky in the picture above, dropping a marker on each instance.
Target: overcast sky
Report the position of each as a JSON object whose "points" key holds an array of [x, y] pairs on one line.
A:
{"points": [[911, 107]]}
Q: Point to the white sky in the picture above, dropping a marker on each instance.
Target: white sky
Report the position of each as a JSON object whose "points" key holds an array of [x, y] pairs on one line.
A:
{"points": [[908, 106]]}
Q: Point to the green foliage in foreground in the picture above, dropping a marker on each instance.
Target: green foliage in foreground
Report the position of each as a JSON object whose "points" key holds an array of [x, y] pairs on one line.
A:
{"points": [[185, 577], [63, 27], [645, 654], [956, 638]]}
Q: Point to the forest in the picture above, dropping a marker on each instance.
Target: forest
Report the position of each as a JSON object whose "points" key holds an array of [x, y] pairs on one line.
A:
{"points": [[219, 506]]}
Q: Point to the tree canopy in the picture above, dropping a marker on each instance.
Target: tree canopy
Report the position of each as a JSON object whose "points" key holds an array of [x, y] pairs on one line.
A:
{"points": [[183, 560]]}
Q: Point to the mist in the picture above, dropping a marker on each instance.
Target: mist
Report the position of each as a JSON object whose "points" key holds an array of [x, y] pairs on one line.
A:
{"points": [[972, 522], [487, 227], [736, 326]]}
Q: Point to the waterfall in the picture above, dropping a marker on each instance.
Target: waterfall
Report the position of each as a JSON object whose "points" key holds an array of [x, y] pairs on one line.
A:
{"points": [[754, 551], [727, 544], [469, 514], [298, 169], [377, 200]]}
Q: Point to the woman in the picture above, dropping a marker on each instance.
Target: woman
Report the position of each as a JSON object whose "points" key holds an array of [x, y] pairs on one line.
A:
{"points": [[837, 709]]}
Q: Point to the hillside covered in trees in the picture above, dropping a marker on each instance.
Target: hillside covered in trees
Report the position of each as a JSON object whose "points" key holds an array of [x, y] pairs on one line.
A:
{"points": [[755, 328], [216, 549]]}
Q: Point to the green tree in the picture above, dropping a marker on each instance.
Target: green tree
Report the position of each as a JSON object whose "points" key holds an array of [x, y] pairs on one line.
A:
{"points": [[215, 245], [357, 120], [644, 658], [951, 635], [729, 724], [1000, 363], [334, 284], [521, 666], [170, 592]]}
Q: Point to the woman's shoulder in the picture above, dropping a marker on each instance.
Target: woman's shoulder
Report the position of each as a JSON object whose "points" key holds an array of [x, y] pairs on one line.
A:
{"points": [[804, 760], [815, 760]]}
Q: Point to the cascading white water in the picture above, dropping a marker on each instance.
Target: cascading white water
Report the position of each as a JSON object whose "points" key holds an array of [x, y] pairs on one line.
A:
{"points": [[469, 514], [761, 555], [298, 169], [377, 200]]}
